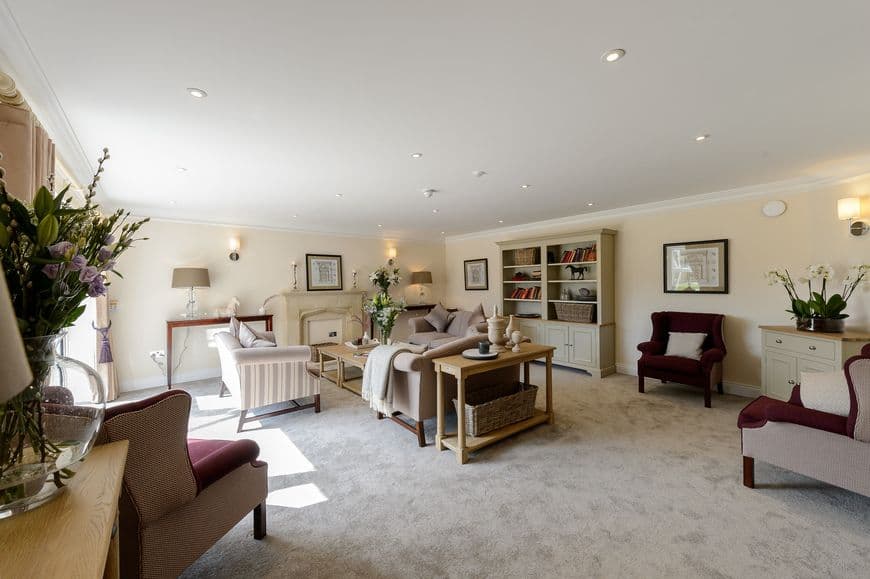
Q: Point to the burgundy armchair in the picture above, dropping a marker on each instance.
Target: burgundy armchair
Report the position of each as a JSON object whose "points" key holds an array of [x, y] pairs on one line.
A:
{"points": [[179, 495], [828, 447], [703, 373]]}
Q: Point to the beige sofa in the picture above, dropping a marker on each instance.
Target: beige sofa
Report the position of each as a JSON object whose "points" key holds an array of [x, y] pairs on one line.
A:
{"points": [[463, 324], [414, 387]]}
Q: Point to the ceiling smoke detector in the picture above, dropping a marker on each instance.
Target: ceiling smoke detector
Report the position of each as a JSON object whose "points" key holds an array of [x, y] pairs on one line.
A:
{"points": [[197, 93], [478, 173], [427, 193], [613, 55]]}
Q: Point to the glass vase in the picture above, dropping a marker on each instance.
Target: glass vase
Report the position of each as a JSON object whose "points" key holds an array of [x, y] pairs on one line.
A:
{"points": [[48, 428]]}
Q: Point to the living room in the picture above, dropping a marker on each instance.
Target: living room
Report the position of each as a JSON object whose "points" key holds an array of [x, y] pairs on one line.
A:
{"points": [[570, 248]]}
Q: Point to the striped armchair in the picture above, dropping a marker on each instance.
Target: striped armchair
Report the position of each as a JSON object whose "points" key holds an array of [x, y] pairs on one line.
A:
{"points": [[258, 377]]}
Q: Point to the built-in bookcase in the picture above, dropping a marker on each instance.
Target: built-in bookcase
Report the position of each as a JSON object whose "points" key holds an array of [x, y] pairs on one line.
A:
{"points": [[570, 269]]}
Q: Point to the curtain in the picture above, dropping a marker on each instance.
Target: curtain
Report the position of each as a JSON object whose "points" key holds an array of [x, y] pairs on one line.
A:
{"points": [[106, 369]]}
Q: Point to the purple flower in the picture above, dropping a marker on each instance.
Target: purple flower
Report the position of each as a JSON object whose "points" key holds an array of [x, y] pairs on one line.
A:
{"points": [[109, 239], [109, 265], [51, 270], [97, 287], [60, 249], [105, 253], [78, 263], [88, 274]]}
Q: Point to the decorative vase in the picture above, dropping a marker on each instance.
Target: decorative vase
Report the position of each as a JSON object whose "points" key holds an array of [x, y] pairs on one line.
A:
{"points": [[496, 327], [511, 327], [826, 325], [516, 338], [48, 428]]}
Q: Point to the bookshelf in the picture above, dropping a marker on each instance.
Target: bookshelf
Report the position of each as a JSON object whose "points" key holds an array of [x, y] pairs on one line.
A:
{"points": [[548, 282]]}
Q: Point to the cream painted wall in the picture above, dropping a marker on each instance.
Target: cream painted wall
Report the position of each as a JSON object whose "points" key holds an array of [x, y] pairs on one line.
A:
{"points": [[808, 232], [145, 298]]}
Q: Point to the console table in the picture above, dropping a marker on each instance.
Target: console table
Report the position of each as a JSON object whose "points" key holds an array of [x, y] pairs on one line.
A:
{"points": [[213, 321], [76, 533], [461, 368]]}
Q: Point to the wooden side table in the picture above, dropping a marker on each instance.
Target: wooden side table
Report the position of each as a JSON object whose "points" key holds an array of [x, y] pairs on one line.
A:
{"points": [[189, 322], [76, 533], [461, 368]]}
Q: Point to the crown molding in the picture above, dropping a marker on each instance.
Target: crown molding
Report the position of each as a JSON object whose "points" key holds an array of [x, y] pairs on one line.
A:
{"points": [[778, 188], [19, 61]]}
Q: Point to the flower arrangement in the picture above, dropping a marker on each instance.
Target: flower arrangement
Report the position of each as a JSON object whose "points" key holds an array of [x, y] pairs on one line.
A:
{"points": [[54, 255], [384, 277], [383, 309], [819, 306]]}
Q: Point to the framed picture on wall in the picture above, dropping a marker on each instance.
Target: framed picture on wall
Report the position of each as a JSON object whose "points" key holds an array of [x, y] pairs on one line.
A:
{"points": [[476, 274], [323, 272], [695, 267]]}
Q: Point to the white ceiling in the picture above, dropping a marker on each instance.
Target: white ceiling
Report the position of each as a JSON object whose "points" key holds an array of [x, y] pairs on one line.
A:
{"points": [[312, 99]]}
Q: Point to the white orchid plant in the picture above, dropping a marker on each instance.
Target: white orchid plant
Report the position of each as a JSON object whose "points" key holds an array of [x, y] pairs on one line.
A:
{"points": [[383, 308], [818, 304]]}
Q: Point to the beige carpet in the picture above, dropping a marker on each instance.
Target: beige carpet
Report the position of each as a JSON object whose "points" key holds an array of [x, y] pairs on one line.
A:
{"points": [[623, 485]]}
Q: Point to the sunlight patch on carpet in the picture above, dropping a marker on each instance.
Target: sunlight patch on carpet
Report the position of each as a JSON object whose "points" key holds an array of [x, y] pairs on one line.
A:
{"points": [[297, 497], [278, 450], [214, 402]]}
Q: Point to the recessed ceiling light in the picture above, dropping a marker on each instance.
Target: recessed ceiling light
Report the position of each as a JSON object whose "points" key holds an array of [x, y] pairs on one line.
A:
{"points": [[427, 193], [501, 220], [172, 202], [613, 55], [416, 155], [197, 93], [380, 224], [478, 173], [181, 169], [701, 138], [590, 204], [525, 186], [295, 216], [443, 232], [339, 195], [434, 211]]}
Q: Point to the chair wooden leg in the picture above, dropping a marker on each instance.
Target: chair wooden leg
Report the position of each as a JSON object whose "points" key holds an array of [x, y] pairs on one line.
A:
{"points": [[749, 472], [720, 388], [707, 400], [380, 415], [421, 434], [640, 382], [260, 521], [317, 403]]}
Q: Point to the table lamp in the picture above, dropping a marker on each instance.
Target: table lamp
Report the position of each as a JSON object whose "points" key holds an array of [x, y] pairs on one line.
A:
{"points": [[16, 375], [190, 278], [420, 278]]}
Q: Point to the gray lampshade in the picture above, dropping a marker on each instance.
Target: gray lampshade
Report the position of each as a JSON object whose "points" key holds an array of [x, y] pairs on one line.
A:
{"points": [[421, 277], [188, 277], [15, 375]]}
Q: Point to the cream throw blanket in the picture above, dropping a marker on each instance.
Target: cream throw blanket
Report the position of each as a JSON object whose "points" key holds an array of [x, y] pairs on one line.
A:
{"points": [[376, 387]]}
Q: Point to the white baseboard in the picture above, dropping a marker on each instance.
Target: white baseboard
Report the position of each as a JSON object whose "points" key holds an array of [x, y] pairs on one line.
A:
{"points": [[735, 388], [177, 378]]}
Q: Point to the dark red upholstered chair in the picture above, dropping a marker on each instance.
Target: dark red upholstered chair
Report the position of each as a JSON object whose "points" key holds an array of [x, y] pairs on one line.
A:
{"points": [[704, 373], [180, 495]]}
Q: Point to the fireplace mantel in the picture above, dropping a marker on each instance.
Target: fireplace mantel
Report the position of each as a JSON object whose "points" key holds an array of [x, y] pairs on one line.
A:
{"points": [[297, 305]]}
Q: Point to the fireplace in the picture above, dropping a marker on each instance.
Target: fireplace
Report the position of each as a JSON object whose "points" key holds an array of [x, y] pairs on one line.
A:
{"points": [[318, 317]]}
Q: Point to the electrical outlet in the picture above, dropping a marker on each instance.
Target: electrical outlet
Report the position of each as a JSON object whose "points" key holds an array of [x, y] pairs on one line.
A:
{"points": [[156, 354], [333, 334]]}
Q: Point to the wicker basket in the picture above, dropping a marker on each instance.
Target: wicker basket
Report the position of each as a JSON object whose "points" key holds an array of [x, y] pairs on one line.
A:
{"points": [[491, 408], [575, 312], [527, 256]]}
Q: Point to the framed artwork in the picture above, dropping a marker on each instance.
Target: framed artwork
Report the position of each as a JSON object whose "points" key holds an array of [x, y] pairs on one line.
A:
{"points": [[476, 274], [323, 272], [695, 267]]}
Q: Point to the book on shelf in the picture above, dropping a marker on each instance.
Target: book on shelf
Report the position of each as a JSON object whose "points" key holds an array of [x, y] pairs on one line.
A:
{"points": [[589, 253], [526, 293]]}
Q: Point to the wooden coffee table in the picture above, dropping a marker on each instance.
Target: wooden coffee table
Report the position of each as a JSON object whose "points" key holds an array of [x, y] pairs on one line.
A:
{"points": [[344, 357], [461, 368]]}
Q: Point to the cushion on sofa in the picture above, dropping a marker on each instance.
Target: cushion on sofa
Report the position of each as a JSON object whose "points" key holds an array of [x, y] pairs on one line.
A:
{"points": [[826, 392], [439, 318], [685, 345], [426, 338], [452, 347], [463, 319], [251, 338]]}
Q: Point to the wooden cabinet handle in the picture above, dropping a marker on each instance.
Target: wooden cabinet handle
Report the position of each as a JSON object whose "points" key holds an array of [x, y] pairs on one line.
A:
{"points": [[778, 341], [812, 347]]}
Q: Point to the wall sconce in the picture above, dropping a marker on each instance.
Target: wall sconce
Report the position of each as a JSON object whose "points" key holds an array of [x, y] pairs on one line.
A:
{"points": [[850, 208], [392, 254], [235, 244]]}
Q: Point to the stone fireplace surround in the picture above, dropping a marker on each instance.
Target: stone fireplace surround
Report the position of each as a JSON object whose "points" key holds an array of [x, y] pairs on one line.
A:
{"points": [[305, 316]]}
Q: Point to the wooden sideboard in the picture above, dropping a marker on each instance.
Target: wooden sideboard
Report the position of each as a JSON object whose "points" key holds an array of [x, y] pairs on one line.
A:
{"points": [[787, 352], [76, 533]]}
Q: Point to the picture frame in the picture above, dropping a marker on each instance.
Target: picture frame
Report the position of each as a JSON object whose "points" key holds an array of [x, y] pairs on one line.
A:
{"points": [[323, 272], [695, 267], [476, 274]]}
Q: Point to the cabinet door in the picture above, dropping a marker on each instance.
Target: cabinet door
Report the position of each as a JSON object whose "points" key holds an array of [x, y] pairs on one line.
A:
{"points": [[583, 347], [530, 330], [806, 365], [557, 336], [780, 374]]}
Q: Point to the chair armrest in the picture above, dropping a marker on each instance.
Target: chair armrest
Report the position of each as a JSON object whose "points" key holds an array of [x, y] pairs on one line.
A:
{"points": [[418, 325], [710, 357], [213, 459], [806, 417], [406, 362], [652, 348], [271, 355]]}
